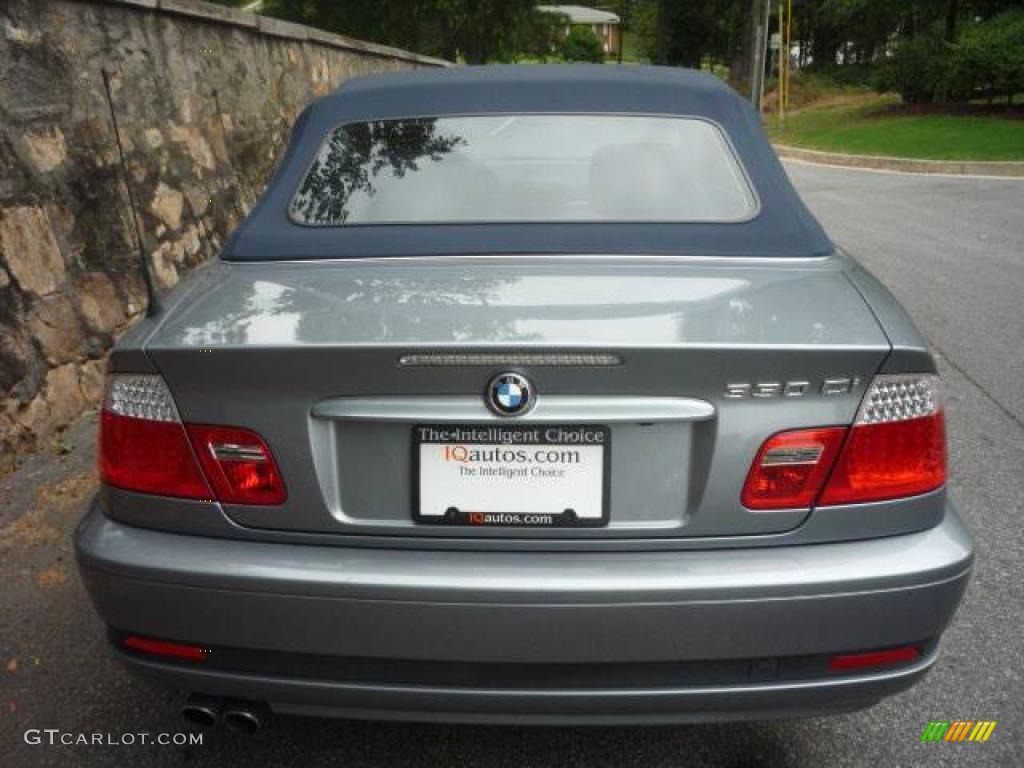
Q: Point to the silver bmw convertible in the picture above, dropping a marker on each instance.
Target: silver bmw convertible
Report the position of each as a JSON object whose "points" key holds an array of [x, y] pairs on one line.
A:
{"points": [[526, 395]]}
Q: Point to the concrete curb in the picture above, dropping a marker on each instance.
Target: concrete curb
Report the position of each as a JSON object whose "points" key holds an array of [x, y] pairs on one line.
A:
{"points": [[903, 164]]}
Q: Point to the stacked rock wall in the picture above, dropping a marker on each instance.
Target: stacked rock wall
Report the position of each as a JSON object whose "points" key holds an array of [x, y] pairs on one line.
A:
{"points": [[204, 96]]}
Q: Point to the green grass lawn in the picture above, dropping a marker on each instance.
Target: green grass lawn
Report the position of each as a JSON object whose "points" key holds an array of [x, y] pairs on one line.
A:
{"points": [[853, 128]]}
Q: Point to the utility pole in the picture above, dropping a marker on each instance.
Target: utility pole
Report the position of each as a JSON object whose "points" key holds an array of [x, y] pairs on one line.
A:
{"points": [[755, 53], [789, 47], [761, 10], [764, 50], [783, 60]]}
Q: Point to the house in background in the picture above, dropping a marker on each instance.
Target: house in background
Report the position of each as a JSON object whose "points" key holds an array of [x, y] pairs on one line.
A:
{"points": [[604, 24]]}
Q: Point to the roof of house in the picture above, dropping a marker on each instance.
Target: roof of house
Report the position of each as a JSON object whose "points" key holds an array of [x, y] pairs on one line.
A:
{"points": [[579, 14], [781, 227]]}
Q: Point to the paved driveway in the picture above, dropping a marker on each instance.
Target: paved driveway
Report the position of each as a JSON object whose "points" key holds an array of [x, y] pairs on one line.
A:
{"points": [[951, 249]]}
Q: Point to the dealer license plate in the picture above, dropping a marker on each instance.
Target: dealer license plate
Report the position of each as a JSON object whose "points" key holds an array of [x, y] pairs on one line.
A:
{"points": [[511, 475]]}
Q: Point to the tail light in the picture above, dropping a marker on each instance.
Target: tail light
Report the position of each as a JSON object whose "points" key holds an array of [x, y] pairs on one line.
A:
{"points": [[897, 445], [145, 447], [791, 468], [238, 464], [895, 448]]}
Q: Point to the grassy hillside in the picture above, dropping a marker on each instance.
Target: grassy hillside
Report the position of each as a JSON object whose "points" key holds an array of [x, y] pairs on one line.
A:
{"points": [[856, 121]]}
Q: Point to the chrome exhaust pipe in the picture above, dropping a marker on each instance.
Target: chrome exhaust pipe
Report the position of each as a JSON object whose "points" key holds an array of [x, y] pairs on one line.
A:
{"points": [[203, 711], [245, 716]]}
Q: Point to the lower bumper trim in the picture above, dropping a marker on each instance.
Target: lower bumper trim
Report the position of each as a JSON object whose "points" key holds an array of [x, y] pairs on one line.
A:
{"points": [[519, 706]]}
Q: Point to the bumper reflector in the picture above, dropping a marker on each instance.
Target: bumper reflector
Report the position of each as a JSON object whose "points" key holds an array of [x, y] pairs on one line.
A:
{"points": [[163, 648], [850, 661]]}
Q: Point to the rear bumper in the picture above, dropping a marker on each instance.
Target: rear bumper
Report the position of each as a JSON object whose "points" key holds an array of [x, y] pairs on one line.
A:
{"points": [[709, 634]]}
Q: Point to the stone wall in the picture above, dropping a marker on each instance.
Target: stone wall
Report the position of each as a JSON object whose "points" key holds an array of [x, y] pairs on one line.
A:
{"points": [[204, 97]]}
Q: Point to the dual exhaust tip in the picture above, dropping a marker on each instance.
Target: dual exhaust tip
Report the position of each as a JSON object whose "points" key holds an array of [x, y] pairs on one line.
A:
{"points": [[239, 715]]}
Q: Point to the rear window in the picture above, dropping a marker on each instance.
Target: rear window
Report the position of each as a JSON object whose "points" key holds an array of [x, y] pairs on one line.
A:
{"points": [[524, 168]]}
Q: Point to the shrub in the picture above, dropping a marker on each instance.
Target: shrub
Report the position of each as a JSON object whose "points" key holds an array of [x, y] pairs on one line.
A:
{"points": [[860, 74], [917, 68], [539, 36], [990, 55], [581, 44]]}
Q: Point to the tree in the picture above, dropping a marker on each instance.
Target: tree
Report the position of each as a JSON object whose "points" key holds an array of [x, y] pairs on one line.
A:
{"points": [[581, 44], [917, 68], [476, 30], [480, 29], [952, 11], [912, 43], [684, 32], [990, 55], [857, 28], [644, 24], [540, 36], [407, 25]]}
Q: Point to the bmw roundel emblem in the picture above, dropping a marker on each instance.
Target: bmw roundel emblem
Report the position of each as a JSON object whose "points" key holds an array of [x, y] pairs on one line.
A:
{"points": [[510, 394]]}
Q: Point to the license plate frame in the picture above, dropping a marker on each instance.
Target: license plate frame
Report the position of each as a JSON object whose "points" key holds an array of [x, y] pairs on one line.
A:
{"points": [[502, 436]]}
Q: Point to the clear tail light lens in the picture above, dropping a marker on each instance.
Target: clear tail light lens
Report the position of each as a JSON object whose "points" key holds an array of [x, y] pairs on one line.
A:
{"points": [[897, 445], [895, 448], [144, 447]]}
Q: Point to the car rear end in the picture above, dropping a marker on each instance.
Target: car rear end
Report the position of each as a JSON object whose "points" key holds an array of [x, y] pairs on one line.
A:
{"points": [[526, 487], [773, 533]]}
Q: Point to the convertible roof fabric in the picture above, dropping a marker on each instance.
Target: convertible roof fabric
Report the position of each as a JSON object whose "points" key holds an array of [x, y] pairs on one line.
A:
{"points": [[783, 227]]}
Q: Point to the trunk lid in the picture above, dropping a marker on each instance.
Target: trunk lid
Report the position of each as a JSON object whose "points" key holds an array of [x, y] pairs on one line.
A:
{"points": [[315, 357]]}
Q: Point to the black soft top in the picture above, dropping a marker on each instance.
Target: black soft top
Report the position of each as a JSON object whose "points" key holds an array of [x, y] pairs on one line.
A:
{"points": [[782, 226]]}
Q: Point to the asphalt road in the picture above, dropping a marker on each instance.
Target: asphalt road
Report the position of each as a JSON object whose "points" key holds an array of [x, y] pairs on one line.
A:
{"points": [[951, 249]]}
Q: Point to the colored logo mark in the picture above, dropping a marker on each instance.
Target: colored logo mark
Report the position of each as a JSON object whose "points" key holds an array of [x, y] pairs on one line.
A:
{"points": [[958, 730]]}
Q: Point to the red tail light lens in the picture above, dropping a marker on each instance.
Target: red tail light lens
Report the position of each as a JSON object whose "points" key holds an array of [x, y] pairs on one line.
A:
{"points": [[143, 446], [791, 467], [889, 461], [238, 463], [897, 446]]}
